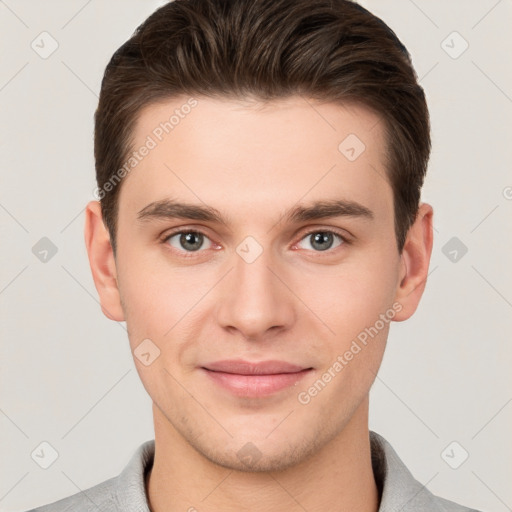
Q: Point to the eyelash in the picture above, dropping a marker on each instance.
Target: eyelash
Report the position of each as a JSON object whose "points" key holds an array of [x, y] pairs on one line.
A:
{"points": [[191, 254]]}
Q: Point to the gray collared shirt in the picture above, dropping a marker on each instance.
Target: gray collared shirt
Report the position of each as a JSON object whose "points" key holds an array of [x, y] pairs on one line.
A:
{"points": [[399, 490]]}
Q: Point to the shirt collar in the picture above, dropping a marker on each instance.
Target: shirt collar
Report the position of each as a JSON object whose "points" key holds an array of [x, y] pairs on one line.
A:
{"points": [[398, 489]]}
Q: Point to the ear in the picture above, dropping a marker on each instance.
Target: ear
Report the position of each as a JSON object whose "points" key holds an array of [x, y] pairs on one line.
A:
{"points": [[102, 262], [414, 263]]}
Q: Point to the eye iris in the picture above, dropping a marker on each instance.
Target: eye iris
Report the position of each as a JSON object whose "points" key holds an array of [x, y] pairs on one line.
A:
{"points": [[322, 238], [191, 241]]}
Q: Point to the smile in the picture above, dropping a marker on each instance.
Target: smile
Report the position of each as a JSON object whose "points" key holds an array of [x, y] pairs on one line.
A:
{"points": [[246, 379]]}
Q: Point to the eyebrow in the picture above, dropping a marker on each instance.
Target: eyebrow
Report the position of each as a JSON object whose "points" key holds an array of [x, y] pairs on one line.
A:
{"points": [[172, 209]]}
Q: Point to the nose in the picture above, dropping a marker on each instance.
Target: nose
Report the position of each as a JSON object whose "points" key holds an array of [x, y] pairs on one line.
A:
{"points": [[254, 300]]}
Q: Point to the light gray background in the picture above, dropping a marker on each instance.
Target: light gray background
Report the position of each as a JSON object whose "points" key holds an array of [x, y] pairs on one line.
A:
{"points": [[67, 375]]}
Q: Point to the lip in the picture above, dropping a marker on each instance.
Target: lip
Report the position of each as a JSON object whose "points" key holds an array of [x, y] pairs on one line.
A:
{"points": [[254, 379]]}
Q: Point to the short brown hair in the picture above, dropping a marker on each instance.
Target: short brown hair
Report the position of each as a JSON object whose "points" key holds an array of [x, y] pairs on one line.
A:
{"points": [[330, 50]]}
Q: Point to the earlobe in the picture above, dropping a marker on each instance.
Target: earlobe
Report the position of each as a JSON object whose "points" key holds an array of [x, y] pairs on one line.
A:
{"points": [[414, 263], [102, 262]]}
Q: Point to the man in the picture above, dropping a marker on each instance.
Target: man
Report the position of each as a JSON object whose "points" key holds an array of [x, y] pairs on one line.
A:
{"points": [[259, 167]]}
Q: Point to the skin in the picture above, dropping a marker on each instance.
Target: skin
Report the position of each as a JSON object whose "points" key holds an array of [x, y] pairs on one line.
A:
{"points": [[295, 303]]}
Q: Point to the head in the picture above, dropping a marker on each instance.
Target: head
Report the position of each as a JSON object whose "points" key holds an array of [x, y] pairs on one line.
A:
{"points": [[259, 168]]}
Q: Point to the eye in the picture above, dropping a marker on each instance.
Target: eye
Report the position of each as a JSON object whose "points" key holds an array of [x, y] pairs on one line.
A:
{"points": [[322, 240], [191, 241], [188, 241]]}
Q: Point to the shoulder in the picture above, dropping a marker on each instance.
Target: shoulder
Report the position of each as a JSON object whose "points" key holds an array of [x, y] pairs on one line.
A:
{"points": [[123, 493], [398, 488], [450, 506], [100, 497]]}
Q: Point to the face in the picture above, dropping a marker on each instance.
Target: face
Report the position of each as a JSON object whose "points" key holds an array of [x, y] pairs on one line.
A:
{"points": [[285, 254]]}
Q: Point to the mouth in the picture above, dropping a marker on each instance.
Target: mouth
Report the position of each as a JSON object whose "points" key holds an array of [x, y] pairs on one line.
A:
{"points": [[254, 379]]}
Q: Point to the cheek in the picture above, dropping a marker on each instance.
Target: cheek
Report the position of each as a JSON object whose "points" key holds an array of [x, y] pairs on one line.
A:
{"points": [[359, 309], [352, 296], [155, 296], [159, 306]]}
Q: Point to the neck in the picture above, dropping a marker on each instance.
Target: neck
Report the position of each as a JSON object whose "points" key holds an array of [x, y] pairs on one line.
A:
{"points": [[338, 476]]}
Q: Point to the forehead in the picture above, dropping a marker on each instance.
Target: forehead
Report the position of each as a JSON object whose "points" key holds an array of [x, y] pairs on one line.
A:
{"points": [[255, 156]]}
